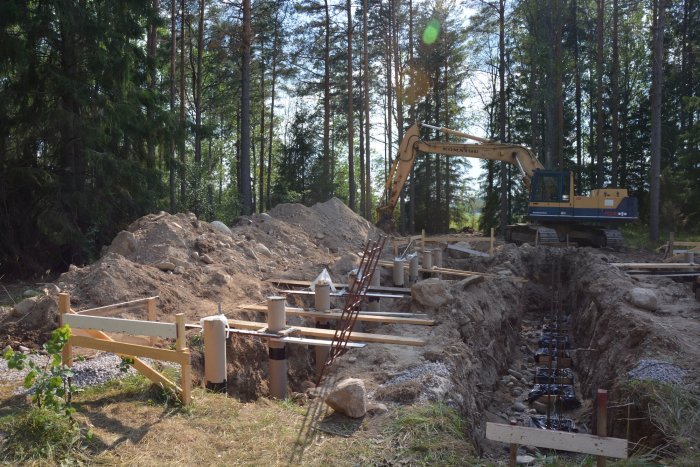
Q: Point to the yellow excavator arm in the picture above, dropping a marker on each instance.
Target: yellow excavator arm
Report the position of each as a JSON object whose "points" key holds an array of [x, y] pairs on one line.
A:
{"points": [[412, 145]]}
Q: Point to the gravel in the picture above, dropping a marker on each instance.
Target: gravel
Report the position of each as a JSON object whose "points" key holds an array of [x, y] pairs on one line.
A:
{"points": [[97, 370], [657, 370], [434, 378]]}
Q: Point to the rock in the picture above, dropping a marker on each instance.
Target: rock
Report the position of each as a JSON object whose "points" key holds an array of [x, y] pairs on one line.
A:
{"points": [[519, 407], [178, 270], [431, 293], [260, 248], [643, 298], [220, 278], [23, 349], [165, 266], [265, 216], [345, 264], [52, 289], [37, 312], [221, 227], [349, 398], [524, 460], [471, 280], [515, 373], [123, 244], [30, 293], [207, 259], [194, 255], [313, 392], [377, 408], [515, 392]]}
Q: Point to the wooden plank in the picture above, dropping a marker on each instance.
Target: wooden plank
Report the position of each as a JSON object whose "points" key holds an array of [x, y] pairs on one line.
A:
{"points": [[141, 366], [318, 342], [560, 440], [341, 294], [134, 327], [299, 283], [468, 250], [656, 266], [335, 316], [116, 306], [329, 333], [130, 349]]}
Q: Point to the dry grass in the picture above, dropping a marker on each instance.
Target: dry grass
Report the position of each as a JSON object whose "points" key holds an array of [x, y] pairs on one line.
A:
{"points": [[134, 425]]}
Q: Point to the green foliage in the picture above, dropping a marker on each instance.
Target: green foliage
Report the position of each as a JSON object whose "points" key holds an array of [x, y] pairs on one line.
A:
{"points": [[38, 433], [51, 383]]}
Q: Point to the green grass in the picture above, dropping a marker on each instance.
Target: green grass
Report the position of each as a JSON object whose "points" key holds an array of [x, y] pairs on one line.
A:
{"points": [[637, 236], [38, 434], [431, 434]]}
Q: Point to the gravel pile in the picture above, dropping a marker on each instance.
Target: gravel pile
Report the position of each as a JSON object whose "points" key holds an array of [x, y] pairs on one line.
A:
{"points": [[433, 378], [657, 370]]}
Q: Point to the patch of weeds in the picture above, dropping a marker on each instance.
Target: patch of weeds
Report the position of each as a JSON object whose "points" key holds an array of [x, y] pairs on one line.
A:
{"points": [[131, 385], [292, 406], [39, 433], [430, 434], [675, 412]]}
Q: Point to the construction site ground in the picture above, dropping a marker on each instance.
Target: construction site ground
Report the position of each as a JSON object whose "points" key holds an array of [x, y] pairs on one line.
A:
{"points": [[428, 405]]}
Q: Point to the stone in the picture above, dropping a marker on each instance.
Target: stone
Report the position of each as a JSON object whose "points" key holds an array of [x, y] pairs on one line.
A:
{"points": [[642, 298], [165, 265], [37, 312], [262, 249], [23, 349], [207, 259], [376, 408], [471, 280], [515, 373], [432, 293], [519, 407], [524, 460], [221, 227], [30, 293], [123, 244], [349, 398], [178, 270]]}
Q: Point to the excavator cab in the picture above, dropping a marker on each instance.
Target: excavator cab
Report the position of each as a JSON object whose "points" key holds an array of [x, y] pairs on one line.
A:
{"points": [[550, 186]]}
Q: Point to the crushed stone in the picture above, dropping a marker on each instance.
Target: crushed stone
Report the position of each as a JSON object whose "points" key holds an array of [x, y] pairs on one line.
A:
{"points": [[657, 370]]}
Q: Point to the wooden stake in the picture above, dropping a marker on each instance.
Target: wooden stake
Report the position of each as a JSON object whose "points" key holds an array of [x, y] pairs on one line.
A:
{"points": [[181, 347], [602, 421], [513, 448], [492, 242], [63, 308], [151, 314]]}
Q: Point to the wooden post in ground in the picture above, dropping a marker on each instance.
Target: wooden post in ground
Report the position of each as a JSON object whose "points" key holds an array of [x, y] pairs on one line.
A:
{"points": [[63, 308], [602, 420], [181, 346], [151, 314], [671, 240], [513, 449], [422, 239], [492, 242]]}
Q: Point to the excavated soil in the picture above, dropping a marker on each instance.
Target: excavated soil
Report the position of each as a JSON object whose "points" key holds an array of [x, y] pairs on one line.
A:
{"points": [[483, 327]]}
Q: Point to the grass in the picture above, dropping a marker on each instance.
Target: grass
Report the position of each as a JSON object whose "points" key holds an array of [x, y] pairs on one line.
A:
{"points": [[637, 236]]}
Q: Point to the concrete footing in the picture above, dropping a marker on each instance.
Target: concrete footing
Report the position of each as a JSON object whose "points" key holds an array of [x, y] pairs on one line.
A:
{"points": [[214, 331], [322, 302], [276, 322], [398, 272]]}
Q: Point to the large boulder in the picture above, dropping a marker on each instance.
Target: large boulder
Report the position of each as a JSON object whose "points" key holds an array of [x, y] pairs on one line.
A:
{"points": [[221, 227], [37, 312], [123, 244], [432, 293], [349, 398], [643, 298]]}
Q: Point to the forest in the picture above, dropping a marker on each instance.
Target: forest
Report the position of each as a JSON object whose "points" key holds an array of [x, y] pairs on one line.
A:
{"points": [[113, 109]]}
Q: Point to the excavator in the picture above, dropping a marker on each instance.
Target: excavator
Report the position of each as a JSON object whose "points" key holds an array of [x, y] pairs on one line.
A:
{"points": [[557, 215]]}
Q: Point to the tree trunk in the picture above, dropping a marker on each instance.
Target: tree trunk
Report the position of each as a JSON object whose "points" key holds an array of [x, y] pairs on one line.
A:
{"points": [[326, 183], [656, 96], [368, 184], [502, 111], [245, 188], [350, 116], [361, 120], [412, 111], [577, 79], [151, 50], [173, 58], [615, 96], [198, 109], [275, 51], [600, 140], [183, 159], [261, 181]]}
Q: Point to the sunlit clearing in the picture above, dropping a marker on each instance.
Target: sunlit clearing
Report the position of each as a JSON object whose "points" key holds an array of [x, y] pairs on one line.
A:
{"points": [[432, 30]]}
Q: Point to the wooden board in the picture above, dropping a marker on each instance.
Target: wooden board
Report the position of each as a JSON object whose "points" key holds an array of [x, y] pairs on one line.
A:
{"points": [[336, 316], [656, 265], [298, 283], [131, 349], [318, 342], [329, 333], [560, 440], [117, 306], [134, 327], [342, 294], [468, 250]]}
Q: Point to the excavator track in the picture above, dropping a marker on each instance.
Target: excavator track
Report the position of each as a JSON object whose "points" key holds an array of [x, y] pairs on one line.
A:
{"points": [[528, 233], [613, 238]]}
